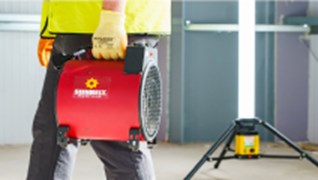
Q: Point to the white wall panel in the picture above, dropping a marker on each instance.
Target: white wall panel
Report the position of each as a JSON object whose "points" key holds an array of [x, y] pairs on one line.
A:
{"points": [[313, 92], [21, 79], [313, 80], [20, 6], [21, 76]]}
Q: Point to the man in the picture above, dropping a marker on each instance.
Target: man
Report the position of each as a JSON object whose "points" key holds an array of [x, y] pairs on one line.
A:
{"points": [[105, 25]]}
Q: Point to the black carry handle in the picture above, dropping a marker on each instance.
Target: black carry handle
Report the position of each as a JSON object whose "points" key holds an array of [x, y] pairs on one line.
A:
{"points": [[134, 60], [60, 58]]}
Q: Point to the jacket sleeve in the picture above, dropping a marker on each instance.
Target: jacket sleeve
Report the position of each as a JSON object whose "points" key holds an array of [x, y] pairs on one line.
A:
{"points": [[44, 33]]}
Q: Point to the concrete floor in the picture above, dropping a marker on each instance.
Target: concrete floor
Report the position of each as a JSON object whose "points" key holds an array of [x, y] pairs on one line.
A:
{"points": [[173, 162]]}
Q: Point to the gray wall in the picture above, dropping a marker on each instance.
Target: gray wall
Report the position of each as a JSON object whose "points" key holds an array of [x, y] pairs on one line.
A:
{"points": [[291, 76], [163, 59], [265, 65], [176, 91], [204, 71], [210, 72]]}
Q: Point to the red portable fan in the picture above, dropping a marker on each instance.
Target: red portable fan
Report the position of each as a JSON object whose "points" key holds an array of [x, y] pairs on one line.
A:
{"points": [[110, 100]]}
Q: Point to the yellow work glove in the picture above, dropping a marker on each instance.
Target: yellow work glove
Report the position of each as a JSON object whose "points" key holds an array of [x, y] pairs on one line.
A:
{"points": [[44, 51], [110, 37]]}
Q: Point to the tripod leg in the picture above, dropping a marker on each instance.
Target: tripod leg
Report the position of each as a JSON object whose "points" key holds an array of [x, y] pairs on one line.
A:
{"points": [[210, 151], [290, 143], [226, 147]]}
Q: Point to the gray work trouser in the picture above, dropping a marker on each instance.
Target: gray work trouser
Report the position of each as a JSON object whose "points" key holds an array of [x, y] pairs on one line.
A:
{"points": [[49, 162]]}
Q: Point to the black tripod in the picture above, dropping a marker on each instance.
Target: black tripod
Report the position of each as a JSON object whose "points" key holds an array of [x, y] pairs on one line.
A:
{"points": [[229, 135]]}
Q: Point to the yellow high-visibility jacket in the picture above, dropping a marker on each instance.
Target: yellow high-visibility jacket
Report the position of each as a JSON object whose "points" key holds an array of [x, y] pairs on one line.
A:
{"points": [[82, 17]]}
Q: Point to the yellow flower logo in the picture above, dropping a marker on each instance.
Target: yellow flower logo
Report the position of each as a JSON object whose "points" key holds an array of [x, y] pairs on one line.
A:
{"points": [[91, 83]]}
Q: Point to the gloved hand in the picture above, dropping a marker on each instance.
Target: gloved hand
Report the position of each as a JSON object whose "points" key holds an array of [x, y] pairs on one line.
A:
{"points": [[44, 51], [110, 38]]}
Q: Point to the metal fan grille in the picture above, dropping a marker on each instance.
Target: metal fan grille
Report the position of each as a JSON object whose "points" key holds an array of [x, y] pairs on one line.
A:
{"points": [[151, 102]]}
